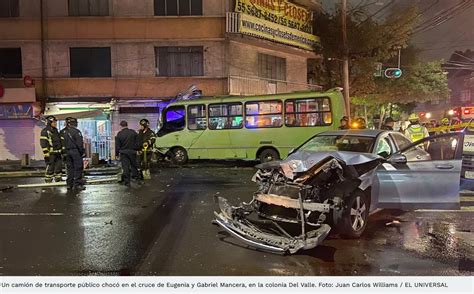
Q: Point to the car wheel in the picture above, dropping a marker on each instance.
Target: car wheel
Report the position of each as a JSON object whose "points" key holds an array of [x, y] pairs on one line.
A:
{"points": [[268, 155], [354, 216], [179, 155]]}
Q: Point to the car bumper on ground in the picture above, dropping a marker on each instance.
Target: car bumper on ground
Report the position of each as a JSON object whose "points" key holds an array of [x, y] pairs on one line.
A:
{"points": [[250, 234]]}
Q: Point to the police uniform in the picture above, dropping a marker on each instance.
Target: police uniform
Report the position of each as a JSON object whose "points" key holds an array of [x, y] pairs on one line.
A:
{"points": [[126, 147], [50, 142], [74, 151], [416, 131]]}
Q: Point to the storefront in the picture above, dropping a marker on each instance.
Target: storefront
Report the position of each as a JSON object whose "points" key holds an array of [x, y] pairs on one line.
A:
{"points": [[19, 127], [99, 122], [93, 121]]}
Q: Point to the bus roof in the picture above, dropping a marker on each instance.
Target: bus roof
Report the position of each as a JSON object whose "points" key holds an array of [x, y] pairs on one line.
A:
{"points": [[230, 98]]}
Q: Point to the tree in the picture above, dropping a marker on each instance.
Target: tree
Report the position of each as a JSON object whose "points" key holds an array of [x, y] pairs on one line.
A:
{"points": [[371, 41]]}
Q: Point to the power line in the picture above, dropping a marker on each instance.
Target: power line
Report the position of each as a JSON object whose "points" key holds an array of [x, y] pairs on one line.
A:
{"points": [[443, 16]]}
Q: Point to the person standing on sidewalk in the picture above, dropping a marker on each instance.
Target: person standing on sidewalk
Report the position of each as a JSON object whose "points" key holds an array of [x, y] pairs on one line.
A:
{"points": [[146, 139], [50, 142], [126, 149], [74, 151]]}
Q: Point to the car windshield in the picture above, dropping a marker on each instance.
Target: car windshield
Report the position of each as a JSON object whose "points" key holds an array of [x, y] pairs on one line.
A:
{"points": [[339, 143]]}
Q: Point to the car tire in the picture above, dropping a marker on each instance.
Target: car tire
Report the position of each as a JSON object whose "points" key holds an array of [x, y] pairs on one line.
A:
{"points": [[355, 215], [179, 155], [268, 154]]}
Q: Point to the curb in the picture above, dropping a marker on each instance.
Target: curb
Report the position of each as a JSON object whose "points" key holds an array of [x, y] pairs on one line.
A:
{"points": [[40, 173]]}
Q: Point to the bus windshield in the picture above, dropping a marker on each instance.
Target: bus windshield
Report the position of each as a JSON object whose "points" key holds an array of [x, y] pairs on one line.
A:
{"points": [[173, 119]]}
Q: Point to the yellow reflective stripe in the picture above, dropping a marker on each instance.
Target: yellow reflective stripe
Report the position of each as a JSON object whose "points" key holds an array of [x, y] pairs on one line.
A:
{"points": [[44, 138], [45, 149]]}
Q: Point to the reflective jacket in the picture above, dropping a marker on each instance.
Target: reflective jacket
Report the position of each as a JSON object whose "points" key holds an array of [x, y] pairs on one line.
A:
{"points": [[50, 141], [416, 132], [147, 137]]}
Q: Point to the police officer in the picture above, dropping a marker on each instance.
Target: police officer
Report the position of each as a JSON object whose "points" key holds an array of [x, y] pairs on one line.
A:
{"points": [[415, 131], [146, 139], [74, 151], [388, 124], [126, 148], [344, 123], [50, 142]]}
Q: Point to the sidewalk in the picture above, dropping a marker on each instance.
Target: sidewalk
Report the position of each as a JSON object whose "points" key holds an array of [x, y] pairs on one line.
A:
{"points": [[13, 169]]}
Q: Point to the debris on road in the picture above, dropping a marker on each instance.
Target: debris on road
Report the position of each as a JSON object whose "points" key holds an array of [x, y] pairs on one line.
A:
{"points": [[393, 223]]}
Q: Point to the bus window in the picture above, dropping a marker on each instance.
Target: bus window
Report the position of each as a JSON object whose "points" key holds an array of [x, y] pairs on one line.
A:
{"points": [[197, 117], [174, 118], [263, 114], [225, 116], [308, 112]]}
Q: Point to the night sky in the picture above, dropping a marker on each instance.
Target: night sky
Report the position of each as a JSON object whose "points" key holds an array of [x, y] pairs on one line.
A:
{"points": [[437, 43]]}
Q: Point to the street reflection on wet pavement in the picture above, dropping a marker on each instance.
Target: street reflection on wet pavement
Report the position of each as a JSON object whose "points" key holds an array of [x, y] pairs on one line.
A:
{"points": [[164, 228]]}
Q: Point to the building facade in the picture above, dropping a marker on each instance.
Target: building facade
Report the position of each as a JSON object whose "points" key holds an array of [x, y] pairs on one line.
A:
{"points": [[127, 56]]}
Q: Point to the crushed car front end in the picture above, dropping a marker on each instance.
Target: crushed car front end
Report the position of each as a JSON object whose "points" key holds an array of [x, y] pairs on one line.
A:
{"points": [[298, 200]]}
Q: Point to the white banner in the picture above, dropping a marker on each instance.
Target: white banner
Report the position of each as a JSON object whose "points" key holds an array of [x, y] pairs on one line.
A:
{"points": [[261, 285]]}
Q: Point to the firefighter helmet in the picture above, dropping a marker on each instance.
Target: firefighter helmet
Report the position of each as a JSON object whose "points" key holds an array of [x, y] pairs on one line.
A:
{"points": [[144, 122], [445, 121], [50, 119]]}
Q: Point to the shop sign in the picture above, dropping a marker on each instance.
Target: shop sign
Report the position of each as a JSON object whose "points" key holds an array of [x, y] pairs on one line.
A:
{"points": [[16, 111], [280, 12], [268, 30]]}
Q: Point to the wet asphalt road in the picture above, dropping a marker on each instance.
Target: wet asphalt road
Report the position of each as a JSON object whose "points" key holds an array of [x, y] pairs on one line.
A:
{"points": [[164, 228]]}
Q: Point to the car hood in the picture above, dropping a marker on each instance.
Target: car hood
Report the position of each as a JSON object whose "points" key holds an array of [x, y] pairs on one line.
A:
{"points": [[302, 161]]}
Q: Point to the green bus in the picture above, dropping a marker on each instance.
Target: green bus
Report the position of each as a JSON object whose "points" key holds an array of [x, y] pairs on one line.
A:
{"points": [[264, 127]]}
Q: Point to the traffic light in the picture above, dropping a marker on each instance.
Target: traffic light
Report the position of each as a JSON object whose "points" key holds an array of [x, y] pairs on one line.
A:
{"points": [[393, 73]]}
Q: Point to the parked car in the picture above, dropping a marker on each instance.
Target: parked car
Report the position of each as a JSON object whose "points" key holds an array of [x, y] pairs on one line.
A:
{"points": [[332, 182]]}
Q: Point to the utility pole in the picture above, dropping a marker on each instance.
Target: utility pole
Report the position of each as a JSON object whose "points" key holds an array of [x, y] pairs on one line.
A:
{"points": [[345, 59], [44, 86]]}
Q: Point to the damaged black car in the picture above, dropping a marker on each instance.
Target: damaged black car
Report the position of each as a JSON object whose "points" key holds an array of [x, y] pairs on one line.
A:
{"points": [[332, 182]]}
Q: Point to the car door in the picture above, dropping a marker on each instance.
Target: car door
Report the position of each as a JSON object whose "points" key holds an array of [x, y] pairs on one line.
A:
{"points": [[430, 179]]}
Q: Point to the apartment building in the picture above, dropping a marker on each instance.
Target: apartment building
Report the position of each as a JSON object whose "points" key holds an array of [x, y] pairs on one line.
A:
{"points": [[107, 60]]}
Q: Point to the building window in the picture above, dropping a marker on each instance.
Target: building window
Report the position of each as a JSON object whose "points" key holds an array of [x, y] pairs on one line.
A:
{"points": [[90, 62], [225, 116], [308, 112], [178, 7], [197, 117], [179, 61], [88, 7], [263, 114], [271, 67], [465, 95], [10, 63], [9, 8]]}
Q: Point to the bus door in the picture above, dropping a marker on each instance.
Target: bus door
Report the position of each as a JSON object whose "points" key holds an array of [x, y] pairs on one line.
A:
{"points": [[198, 131], [224, 121]]}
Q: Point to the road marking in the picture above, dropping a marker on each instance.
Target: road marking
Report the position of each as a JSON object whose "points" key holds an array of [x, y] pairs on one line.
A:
{"points": [[31, 214], [463, 209]]}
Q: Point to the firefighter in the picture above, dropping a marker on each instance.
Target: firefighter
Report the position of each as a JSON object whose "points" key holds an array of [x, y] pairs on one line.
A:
{"points": [[50, 142], [74, 151], [388, 124], [415, 131], [126, 150], [146, 138]]}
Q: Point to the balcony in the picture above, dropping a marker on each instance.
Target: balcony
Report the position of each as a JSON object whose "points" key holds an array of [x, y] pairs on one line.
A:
{"points": [[239, 85]]}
